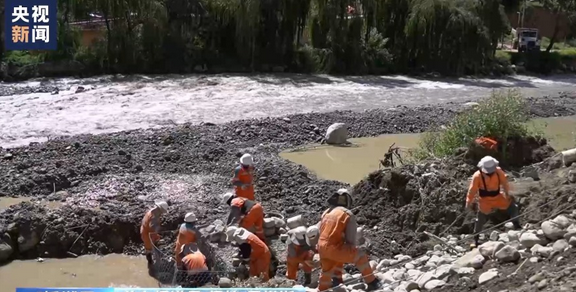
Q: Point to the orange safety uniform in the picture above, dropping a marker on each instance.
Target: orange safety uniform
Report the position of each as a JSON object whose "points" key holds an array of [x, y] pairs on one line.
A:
{"points": [[195, 263], [334, 251], [260, 257], [244, 176], [186, 235], [298, 253], [487, 187], [253, 216], [149, 231]]}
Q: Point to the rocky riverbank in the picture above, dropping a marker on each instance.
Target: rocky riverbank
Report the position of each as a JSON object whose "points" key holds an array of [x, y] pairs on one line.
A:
{"points": [[108, 181]]}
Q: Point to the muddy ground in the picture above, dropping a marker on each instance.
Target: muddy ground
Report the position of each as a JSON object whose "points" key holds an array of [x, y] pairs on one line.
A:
{"points": [[109, 181]]}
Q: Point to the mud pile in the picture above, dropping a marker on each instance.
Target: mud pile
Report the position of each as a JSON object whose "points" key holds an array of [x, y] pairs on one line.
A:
{"points": [[398, 205]]}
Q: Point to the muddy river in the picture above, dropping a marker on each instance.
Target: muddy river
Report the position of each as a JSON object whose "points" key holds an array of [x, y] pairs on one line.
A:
{"points": [[111, 104], [351, 164], [85, 271]]}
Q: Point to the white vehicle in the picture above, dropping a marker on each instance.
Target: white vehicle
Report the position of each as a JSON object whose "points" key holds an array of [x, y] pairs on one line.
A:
{"points": [[526, 39]]}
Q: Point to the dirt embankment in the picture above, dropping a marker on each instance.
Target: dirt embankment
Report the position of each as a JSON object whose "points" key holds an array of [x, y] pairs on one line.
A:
{"points": [[109, 181]]}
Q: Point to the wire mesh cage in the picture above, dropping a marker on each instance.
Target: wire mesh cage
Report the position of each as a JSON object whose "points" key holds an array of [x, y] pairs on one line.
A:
{"points": [[168, 275]]}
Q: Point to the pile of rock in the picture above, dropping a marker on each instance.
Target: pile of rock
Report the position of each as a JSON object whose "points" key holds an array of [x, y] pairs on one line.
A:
{"points": [[274, 226], [450, 261]]}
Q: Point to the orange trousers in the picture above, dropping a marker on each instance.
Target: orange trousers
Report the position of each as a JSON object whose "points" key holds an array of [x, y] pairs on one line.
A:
{"points": [[292, 264], [260, 265], [333, 258], [254, 221], [149, 238]]}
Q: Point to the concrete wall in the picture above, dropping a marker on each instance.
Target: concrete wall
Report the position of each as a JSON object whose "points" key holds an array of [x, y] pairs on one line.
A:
{"points": [[89, 36], [544, 21]]}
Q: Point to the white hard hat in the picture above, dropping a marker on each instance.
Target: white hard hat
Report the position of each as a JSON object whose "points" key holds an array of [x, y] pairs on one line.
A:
{"points": [[299, 232], [226, 197], [230, 233], [488, 164], [246, 159], [241, 234], [311, 234], [190, 217], [342, 191], [162, 205]]}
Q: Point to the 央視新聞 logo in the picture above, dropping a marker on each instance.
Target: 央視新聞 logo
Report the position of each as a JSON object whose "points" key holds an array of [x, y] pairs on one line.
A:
{"points": [[30, 25]]}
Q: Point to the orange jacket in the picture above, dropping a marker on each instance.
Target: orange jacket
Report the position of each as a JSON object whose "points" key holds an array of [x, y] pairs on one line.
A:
{"points": [[488, 192], [337, 227], [259, 247], [243, 176], [195, 262], [185, 236]]}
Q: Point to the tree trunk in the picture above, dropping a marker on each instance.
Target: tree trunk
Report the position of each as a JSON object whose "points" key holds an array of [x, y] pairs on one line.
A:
{"points": [[553, 38]]}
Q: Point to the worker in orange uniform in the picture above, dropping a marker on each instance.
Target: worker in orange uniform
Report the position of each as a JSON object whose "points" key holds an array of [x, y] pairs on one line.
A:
{"points": [[248, 213], [243, 179], [151, 226], [253, 248], [194, 264], [187, 233], [485, 191], [335, 249], [299, 253]]}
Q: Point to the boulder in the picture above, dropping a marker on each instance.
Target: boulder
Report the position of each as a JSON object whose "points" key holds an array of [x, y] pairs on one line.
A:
{"points": [[443, 271], [337, 134], [543, 251], [552, 230], [280, 223], [494, 235], [528, 240], [433, 284], [487, 276], [562, 221], [507, 254], [425, 278], [572, 241], [269, 223], [560, 245], [477, 262], [225, 283], [489, 248], [571, 231]]}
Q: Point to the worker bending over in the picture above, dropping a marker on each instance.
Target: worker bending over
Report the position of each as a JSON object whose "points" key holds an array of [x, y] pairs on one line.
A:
{"points": [[187, 233], [248, 213], [335, 249], [253, 248], [244, 177], [194, 264], [299, 253], [150, 227], [485, 190]]}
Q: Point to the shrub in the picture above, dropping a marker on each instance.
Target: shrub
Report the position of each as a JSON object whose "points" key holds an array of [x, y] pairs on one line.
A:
{"points": [[503, 58], [22, 58], [503, 115]]}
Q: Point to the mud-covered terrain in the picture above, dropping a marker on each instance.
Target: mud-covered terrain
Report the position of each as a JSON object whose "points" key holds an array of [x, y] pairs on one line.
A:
{"points": [[108, 181]]}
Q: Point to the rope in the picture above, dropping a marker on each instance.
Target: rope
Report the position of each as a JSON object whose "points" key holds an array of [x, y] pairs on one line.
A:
{"points": [[407, 260]]}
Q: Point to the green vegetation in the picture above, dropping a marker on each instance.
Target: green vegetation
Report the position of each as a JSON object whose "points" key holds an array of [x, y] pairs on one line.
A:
{"points": [[451, 37], [502, 115]]}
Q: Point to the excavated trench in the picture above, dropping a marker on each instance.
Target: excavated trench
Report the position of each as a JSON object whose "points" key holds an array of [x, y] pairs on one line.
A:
{"points": [[107, 182]]}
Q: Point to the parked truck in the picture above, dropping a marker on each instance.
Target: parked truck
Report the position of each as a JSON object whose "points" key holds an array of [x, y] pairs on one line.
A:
{"points": [[526, 39]]}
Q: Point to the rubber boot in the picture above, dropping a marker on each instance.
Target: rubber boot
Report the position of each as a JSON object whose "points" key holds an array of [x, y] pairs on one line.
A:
{"points": [[336, 282], [307, 279], [374, 285]]}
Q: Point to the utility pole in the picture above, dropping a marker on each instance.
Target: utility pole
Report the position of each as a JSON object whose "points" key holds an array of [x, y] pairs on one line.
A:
{"points": [[523, 13]]}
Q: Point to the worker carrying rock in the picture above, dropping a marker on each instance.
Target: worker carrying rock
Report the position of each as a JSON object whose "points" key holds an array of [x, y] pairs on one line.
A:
{"points": [[489, 190], [187, 233], [253, 248], [335, 249], [248, 213], [194, 265], [299, 253], [244, 177], [150, 227]]}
